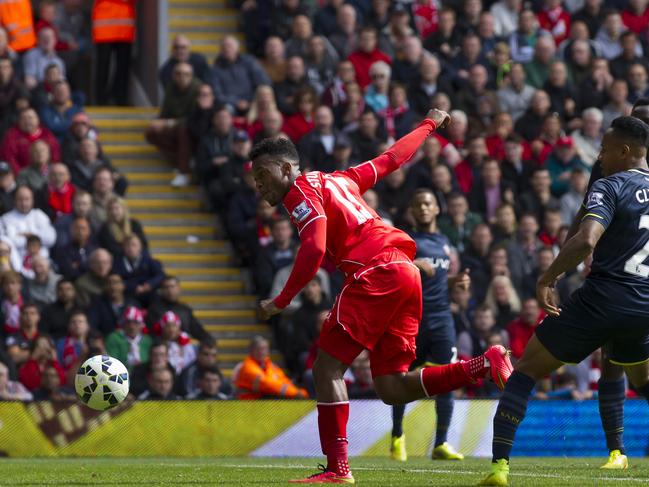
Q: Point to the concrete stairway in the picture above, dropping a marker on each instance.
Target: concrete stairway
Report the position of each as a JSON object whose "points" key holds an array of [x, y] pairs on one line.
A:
{"points": [[205, 22], [185, 239]]}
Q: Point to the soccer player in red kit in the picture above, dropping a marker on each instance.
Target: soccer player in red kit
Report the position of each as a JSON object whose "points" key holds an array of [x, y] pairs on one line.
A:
{"points": [[380, 305]]}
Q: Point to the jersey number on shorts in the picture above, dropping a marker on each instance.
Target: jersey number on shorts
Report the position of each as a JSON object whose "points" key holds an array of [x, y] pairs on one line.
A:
{"points": [[635, 264], [339, 189]]}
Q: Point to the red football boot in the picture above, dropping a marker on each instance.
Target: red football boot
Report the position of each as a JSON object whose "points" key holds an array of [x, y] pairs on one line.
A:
{"points": [[500, 367], [325, 477]]}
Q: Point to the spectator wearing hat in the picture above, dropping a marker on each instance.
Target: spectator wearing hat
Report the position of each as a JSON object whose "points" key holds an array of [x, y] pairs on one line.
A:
{"points": [[72, 259], [60, 191], [142, 273], [169, 299], [168, 132], [181, 351], [106, 309], [93, 282], [11, 90], [37, 59], [257, 377], [563, 160], [232, 171], [80, 128], [56, 316], [25, 220], [209, 382], [207, 358], [129, 344], [18, 139], [393, 36], [181, 52]]}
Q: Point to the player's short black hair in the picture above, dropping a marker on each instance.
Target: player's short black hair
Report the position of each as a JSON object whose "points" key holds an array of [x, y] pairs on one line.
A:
{"points": [[632, 129], [419, 191], [275, 147]]}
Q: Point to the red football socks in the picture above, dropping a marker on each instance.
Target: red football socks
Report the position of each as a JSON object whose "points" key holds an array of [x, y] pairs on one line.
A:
{"points": [[447, 378], [332, 423]]}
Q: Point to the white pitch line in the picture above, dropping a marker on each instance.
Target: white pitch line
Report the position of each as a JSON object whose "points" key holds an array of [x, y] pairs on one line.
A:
{"points": [[421, 470]]}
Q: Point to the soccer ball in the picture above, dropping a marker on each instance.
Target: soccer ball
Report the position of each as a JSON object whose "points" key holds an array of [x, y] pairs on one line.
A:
{"points": [[101, 382]]}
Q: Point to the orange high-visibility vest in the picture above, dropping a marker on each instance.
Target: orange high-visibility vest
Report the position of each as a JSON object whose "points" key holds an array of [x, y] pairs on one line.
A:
{"points": [[17, 19], [113, 21], [254, 382]]}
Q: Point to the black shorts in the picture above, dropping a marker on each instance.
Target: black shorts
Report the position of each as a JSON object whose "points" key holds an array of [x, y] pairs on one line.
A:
{"points": [[585, 325], [435, 340]]}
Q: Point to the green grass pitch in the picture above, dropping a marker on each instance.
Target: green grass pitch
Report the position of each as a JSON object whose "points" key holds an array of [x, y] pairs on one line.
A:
{"points": [[582, 472]]}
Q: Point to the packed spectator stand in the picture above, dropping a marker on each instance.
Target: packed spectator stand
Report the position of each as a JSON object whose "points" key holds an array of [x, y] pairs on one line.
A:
{"points": [[530, 88]]}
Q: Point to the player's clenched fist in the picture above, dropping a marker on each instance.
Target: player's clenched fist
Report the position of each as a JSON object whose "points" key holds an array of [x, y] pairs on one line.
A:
{"points": [[267, 308], [440, 117]]}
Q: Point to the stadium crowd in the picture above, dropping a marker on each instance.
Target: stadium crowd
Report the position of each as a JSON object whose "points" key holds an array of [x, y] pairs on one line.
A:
{"points": [[530, 88]]}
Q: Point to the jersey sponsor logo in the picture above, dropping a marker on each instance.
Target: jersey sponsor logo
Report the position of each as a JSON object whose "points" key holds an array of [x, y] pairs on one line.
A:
{"points": [[595, 199], [301, 211], [438, 262]]}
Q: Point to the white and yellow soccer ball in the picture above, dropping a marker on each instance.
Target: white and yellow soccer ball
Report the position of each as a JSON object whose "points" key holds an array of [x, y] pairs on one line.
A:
{"points": [[102, 382]]}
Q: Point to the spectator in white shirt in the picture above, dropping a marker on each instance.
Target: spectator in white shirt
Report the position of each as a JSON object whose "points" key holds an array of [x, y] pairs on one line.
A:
{"points": [[25, 220]]}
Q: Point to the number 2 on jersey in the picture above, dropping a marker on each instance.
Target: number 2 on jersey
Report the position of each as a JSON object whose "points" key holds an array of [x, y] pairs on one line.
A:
{"points": [[635, 264]]}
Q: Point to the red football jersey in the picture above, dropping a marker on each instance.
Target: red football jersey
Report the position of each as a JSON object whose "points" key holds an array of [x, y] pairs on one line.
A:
{"points": [[355, 233]]}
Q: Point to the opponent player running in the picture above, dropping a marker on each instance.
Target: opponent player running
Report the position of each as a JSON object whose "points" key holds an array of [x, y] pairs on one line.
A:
{"points": [[436, 337], [379, 308], [611, 385], [611, 307]]}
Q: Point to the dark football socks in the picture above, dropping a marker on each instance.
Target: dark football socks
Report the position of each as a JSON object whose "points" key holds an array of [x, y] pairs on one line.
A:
{"points": [[397, 419], [444, 409], [611, 412], [510, 413]]}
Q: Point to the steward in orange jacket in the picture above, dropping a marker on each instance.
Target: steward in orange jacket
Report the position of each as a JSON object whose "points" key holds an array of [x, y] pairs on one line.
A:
{"points": [[17, 19], [257, 377]]}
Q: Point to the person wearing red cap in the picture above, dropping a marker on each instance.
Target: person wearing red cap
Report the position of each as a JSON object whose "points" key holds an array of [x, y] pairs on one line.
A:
{"points": [[181, 351], [128, 343], [561, 162]]}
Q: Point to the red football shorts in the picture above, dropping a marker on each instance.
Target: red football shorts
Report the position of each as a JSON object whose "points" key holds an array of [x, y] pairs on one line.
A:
{"points": [[378, 309]]}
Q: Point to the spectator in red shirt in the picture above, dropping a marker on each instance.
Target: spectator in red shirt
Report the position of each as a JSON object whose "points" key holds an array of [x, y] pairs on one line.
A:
{"points": [[555, 19], [366, 55], [636, 16], [60, 190], [301, 122], [466, 171], [15, 145], [551, 226], [522, 328], [42, 356], [19, 344]]}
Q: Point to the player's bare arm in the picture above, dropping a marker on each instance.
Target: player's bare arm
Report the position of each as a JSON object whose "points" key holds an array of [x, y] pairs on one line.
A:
{"points": [[572, 254]]}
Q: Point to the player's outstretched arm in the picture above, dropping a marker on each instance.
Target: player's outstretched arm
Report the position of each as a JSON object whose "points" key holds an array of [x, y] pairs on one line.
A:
{"points": [[307, 262], [571, 255], [369, 173]]}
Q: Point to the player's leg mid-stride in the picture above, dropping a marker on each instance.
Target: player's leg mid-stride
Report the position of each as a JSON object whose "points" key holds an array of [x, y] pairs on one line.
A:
{"points": [[392, 350]]}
